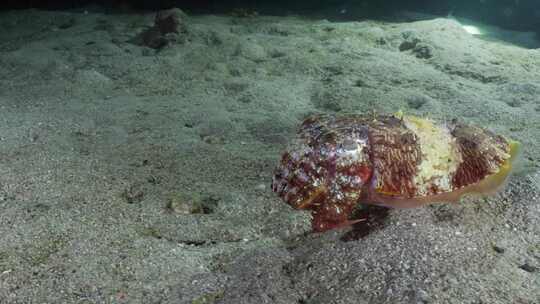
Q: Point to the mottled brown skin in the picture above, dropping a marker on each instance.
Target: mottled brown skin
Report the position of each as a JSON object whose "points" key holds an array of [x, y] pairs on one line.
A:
{"points": [[481, 152], [395, 155], [337, 162], [318, 177]]}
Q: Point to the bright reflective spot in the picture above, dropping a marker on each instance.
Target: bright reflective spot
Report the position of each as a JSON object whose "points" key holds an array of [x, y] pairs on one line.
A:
{"points": [[473, 30]]}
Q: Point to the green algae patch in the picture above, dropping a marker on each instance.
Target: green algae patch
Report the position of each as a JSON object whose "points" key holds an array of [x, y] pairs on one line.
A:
{"points": [[4, 256], [43, 250], [208, 298], [150, 232]]}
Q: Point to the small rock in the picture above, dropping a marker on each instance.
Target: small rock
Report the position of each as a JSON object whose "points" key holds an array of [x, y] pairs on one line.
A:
{"points": [[170, 21], [247, 98], [182, 203], [423, 51], [514, 103], [416, 102], [236, 87], [422, 296], [154, 180], [406, 45], [67, 24], [251, 50], [453, 281], [235, 72], [133, 194], [213, 139], [152, 38], [498, 249], [191, 203], [529, 268], [410, 41], [169, 26], [360, 83]]}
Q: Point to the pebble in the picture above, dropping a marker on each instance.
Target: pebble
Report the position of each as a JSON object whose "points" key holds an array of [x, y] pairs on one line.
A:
{"points": [[498, 249], [423, 296], [184, 203], [529, 268], [133, 194], [191, 203]]}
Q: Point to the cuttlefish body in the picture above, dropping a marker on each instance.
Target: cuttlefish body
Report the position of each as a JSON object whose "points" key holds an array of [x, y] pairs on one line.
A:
{"points": [[399, 161]]}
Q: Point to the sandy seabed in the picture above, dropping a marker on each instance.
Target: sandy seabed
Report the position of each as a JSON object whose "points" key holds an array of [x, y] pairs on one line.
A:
{"points": [[135, 175]]}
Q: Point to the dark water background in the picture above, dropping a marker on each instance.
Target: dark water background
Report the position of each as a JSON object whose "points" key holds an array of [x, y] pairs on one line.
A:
{"points": [[523, 15]]}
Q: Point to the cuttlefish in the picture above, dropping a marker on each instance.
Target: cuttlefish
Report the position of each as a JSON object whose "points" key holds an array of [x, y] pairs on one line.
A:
{"points": [[336, 162]]}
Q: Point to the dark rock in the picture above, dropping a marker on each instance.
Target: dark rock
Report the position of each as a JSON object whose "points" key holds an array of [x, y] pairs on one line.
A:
{"points": [[236, 87], [247, 98], [410, 40], [213, 139], [133, 194], [416, 102], [381, 41], [514, 103], [169, 27], [423, 51], [407, 45], [170, 21], [360, 83], [529, 268], [498, 249], [152, 38], [67, 24]]}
